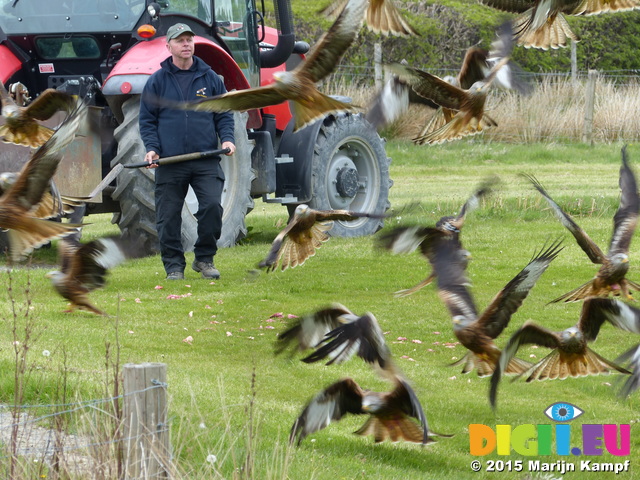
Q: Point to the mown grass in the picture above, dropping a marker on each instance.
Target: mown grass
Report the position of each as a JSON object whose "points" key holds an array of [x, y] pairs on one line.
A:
{"points": [[234, 328]]}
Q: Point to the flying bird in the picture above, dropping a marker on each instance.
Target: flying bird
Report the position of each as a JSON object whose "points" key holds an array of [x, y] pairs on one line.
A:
{"points": [[299, 84], [459, 99], [447, 229], [309, 331], [20, 125], [84, 267], [570, 357], [305, 232], [16, 205], [53, 203], [611, 277], [390, 412], [477, 332], [381, 16], [542, 24]]}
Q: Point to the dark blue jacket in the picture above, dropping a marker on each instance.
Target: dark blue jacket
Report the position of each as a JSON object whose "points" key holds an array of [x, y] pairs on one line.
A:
{"points": [[168, 131]]}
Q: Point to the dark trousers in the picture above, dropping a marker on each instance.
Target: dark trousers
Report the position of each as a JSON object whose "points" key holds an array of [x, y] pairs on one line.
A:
{"points": [[170, 191]]}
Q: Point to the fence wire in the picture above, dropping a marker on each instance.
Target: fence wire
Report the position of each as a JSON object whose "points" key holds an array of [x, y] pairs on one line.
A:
{"points": [[82, 439]]}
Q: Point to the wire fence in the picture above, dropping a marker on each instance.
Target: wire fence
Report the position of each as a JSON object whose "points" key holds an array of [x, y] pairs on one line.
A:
{"points": [[80, 437], [557, 110]]}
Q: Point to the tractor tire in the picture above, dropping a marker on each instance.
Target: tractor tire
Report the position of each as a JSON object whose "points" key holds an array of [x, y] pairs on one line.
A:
{"points": [[350, 171], [135, 188]]}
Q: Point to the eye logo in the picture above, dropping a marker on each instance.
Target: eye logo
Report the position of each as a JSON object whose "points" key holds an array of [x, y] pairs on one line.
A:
{"points": [[562, 412]]}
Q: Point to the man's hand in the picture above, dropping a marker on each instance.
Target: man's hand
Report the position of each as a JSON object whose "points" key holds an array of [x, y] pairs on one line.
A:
{"points": [[150, 157], [230, 146]]}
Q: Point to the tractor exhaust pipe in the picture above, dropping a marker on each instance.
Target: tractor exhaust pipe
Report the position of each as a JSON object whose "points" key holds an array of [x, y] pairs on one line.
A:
{"points": [[286, 38]]}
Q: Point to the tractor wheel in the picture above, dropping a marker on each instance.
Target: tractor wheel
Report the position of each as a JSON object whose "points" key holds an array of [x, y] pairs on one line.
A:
{"points": [[135, 188], [351, 172]]}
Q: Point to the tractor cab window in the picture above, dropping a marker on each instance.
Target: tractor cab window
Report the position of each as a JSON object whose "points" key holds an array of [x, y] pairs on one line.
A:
{"points": [[69, 16], [236, 25], [52, 48], [196, 8]]}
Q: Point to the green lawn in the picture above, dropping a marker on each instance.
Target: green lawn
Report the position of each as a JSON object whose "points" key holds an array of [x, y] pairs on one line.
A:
{"points": [[233, 325]]}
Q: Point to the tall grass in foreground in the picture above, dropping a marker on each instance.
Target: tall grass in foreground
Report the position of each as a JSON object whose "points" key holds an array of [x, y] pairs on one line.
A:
{"points": [[553, 113]]}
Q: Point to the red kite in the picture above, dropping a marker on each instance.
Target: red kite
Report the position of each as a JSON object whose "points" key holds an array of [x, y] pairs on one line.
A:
{"points": [[447, 229], [542, 23], [83, 268], [306, 231], [20, 125], [16, 205], [477, 332], [610, 279], [571, 357]]}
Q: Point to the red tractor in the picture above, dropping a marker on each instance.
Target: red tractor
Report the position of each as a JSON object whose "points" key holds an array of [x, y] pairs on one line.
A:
{"points": [[106, 50]]}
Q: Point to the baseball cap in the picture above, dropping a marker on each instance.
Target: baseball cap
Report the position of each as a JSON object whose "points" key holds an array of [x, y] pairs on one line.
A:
{"points": [[177, 30]]}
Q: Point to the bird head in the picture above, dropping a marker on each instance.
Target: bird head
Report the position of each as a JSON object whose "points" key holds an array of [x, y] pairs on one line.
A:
{"points": [[54, 276], [620, 258], [372, 402], [7, 179], [301, 210], [571, 334]]}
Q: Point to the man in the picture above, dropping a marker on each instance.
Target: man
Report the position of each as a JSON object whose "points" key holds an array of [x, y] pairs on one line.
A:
{"points": [[167, 132]]}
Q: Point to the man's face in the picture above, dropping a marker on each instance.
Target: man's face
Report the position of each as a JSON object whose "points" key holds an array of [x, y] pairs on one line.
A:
{"points": [[181, 46]]}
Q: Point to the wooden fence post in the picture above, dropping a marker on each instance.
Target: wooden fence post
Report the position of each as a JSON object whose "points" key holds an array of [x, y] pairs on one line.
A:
{"points": [[590, 94], [377, 64], [147, 450]]}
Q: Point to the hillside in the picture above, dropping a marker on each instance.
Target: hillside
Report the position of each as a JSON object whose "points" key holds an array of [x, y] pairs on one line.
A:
{"points": [[608, 41]]}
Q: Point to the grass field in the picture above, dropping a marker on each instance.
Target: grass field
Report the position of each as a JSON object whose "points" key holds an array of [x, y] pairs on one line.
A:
{"points": [[232, 398]]}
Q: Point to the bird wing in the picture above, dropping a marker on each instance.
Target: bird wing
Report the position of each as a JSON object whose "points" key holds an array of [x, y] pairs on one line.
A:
{"points": [[362, 336], [592, 7], [326, 54], [621, 315], [270, 262], [49, 102], [296, 242], [430, 86], [474, 67], [458, 301], [473, 202], [239, 100], [383, 17], [501, 50], [404, 399], [497, 315], [595, 312], [529, 333], [632, 356], [389, 103], [34, 177], [92, 260], [625, 219], [331, 404], [310, 330], [405, 239], [588, 246], [343, 215]]}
